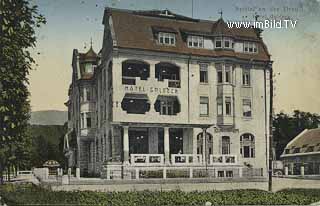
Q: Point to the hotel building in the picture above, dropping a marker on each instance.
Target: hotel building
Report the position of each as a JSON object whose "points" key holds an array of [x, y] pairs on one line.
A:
{"points": [[170, 96]]}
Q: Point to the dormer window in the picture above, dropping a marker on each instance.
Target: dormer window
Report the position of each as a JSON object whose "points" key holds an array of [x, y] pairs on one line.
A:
{"points": [[223, 42], [218, 42], [228, 43], [167, 38], [195, 41], [250, 47]]}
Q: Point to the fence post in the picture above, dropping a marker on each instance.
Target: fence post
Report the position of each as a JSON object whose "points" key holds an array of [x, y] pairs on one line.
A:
{"points": [[240, 171], [302, 170], [286, 170], [78, 173], [137, 173], [191, 172], [164, 173]]}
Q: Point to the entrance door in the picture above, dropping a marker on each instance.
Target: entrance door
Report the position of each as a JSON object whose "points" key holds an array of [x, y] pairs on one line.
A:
{"points": [[138, 141], [176, 140]]}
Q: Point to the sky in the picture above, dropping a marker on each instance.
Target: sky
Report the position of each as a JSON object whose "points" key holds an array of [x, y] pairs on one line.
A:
{"points": [[72, 23]]}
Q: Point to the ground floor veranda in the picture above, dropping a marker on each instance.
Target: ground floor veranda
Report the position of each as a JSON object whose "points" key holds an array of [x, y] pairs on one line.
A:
{"points": [[173, 151]]}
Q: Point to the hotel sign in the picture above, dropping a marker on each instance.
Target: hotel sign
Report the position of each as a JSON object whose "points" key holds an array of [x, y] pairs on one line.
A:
{"points": [[165, 90]]}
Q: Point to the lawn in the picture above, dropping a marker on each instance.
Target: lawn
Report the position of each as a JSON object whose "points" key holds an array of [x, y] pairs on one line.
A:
{"points": [[29, 194]]}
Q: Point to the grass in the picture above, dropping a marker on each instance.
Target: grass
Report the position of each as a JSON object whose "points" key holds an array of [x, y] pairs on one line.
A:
{"points": [[29, 194]]}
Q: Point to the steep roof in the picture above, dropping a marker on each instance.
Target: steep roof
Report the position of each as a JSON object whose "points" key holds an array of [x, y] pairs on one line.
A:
{"points": [[307, 141], [135, 30], [89, 55]]}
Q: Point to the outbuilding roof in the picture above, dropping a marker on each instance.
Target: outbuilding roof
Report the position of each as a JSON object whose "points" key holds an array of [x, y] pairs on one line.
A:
{"points": [[306, 142]]}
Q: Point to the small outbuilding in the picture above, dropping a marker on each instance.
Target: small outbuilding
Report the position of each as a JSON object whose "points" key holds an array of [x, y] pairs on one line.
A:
{"points": [[301, 156], [52, 165]]}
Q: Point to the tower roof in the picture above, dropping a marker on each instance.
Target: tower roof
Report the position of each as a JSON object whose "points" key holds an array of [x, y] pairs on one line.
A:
{"points": [[90, 53]]}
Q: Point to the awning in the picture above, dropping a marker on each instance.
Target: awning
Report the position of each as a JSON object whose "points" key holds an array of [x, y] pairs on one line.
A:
{"points": [[136, 96]]}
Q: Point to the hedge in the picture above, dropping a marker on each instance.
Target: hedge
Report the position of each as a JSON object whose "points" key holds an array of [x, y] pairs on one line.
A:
{"points": [[29, 194]]}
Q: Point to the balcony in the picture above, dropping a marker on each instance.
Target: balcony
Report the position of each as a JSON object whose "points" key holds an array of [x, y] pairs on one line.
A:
{"points": [[146, 159], [174, 83], [128, 80], [186, 159], [223, 159]]}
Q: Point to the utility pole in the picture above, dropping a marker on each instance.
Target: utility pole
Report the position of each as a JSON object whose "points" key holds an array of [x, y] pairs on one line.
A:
{"points": [[270, 129], [192, 8]]}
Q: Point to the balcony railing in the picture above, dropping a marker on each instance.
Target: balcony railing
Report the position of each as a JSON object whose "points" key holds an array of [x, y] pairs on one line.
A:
{"points": [[146, 159], [128, 80], [179, 159], [223, 159], [174, 83]]}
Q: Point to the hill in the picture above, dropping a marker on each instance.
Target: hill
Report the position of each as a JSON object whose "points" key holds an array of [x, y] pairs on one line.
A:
{"points": [[48, 117]]}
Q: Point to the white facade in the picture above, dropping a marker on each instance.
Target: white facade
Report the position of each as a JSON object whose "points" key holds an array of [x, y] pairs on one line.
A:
{"points": [[156, 120]]}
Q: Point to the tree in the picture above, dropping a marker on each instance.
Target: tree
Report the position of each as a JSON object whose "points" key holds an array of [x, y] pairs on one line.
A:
{"points": [[288, 127], [17, 34]]}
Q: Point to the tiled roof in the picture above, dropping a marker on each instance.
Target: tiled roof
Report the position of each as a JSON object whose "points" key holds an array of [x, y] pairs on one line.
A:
{"points": [[306, 141], [135, 30]]}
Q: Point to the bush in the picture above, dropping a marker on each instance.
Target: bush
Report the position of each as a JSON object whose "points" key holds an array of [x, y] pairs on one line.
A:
{"points": [[29, 194]]}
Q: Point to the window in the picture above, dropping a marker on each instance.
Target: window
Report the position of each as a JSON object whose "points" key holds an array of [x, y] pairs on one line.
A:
{"points": [[224, 73], [134, 68], [135, 103], [220, 173], [164, 70], [245, 77], [218, 42], [296, 150], [88, 118], [225, 42], [203, 73], [228, 105], [82, 95], [219, 106], [250, 47], [82, 120], [246, 105], [167, 38], [228, 74], [228, 43], [287, 151], [204, 106], [219, 74], [229, 173], [195, 41], [88, 68], [167, 105], [310, 149], [88, 94], [225, 145], [166, 108], [247, 145]]}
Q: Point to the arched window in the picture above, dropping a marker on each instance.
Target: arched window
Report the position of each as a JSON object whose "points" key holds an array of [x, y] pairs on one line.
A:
{"points": [[225, 145], [209, 143], [247, 145]]}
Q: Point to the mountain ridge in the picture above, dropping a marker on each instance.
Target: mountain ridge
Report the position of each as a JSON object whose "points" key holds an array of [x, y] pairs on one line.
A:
{"points": [[48, 117]]}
